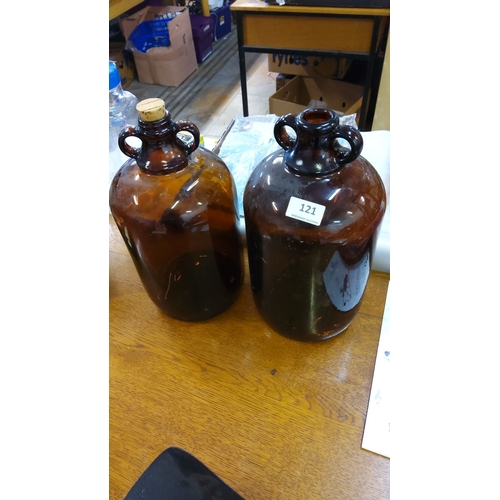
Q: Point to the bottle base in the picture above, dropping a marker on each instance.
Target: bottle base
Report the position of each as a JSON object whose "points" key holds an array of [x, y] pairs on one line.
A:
{"points": [[313, 337], [198, 286], [199, 315], [305, 333]]}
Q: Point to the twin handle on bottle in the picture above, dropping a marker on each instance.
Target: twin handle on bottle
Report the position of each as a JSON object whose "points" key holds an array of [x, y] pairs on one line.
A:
{"points": [[311, 212]]}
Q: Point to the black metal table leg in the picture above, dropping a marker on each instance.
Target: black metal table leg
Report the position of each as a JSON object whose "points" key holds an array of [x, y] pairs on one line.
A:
{"points": [[368, 87], [243, 67]]}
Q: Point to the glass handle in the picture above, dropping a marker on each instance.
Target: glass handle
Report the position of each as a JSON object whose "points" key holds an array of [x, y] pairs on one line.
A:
{"points": [[185, 126], [280, 133], [126, 148], [355, 140]]}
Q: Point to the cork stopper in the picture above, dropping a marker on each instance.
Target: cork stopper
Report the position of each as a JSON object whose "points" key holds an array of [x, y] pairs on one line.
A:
{"points": [[151, 110]]}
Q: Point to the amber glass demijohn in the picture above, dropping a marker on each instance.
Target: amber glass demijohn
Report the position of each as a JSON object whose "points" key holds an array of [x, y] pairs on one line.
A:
{"points": [[174, 203], [312, 210]]}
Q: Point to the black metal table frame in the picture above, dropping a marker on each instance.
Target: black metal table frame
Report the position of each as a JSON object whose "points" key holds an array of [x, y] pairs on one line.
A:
{"points": [[369, 84]]}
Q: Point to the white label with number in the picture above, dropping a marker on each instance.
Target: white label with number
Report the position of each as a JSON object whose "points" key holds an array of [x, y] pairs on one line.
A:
{"points": [[304, 210]]}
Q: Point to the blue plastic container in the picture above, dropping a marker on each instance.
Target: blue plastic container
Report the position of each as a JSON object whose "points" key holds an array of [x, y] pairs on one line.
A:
{"points": [[151, 34], [222, 18], [202, 28]]}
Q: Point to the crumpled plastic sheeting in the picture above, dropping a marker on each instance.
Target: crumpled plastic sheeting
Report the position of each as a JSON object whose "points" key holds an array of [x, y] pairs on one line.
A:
{"points": [[248, 142]]}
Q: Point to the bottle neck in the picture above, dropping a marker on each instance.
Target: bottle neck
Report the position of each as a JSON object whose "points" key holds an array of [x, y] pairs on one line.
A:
{"points": [[158, 129], [117, 107], [317, 150], [313, 154], [115, 99], [161, 151], [122, 107], [118, 90]]}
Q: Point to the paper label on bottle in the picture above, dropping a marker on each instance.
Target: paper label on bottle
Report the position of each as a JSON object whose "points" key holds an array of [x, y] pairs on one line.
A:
{"points": [[304, 210]]}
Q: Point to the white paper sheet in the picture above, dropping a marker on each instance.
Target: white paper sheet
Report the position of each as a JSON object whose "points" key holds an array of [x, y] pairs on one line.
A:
{"points": [[377, 432], [376, 149]]}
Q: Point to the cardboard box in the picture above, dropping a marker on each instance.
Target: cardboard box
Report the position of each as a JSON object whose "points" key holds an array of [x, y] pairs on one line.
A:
{"points": [[128, 24], [322, 67], [282, 80], [124, 61], [167, 66], [342, 97]]}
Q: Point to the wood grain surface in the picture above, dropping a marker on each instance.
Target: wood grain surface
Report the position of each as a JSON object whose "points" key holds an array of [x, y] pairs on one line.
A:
{"points": [[308, 28], [272, 417], [262, 6], [312, 33]]}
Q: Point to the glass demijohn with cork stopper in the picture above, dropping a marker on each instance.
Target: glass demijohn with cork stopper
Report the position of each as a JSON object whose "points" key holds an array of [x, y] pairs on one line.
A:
{"points": [[312, 210], [174, 203]]}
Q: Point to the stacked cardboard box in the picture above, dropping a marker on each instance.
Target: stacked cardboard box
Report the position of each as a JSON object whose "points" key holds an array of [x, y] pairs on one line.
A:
{"points": [[168, 66], [305, 81], [124, 62], [342, 97], [312, 66]]}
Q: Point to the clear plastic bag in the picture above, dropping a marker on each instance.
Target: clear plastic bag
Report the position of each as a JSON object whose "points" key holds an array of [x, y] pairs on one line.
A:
{"points": [[248, 142]]}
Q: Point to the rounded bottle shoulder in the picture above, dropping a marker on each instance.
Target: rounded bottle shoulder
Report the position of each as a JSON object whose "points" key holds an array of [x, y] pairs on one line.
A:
{"points": [[204, 180], [342, 205]]}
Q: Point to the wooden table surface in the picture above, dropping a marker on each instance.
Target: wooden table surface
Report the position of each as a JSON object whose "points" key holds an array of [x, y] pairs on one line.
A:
{"points": [[272, 417]]}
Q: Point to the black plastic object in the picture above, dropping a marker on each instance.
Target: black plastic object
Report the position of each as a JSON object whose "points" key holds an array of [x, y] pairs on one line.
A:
{"points": [[177, 475]]}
